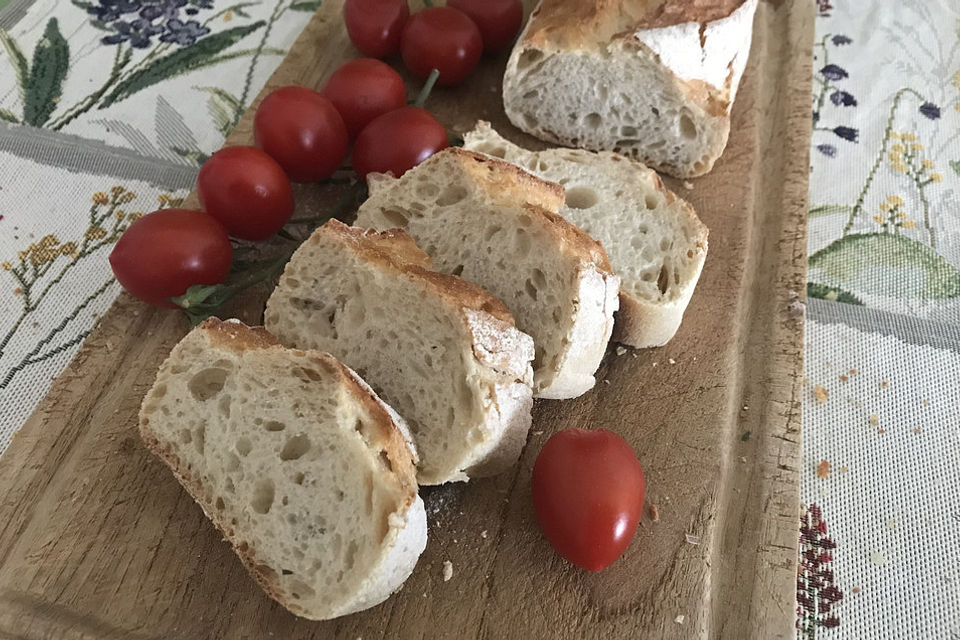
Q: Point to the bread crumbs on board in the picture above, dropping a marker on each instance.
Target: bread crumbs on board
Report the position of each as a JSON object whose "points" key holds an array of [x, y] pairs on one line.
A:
{"points": [[820, 393], [679, 619], [654, 513], [621, 351], [447, 570], [692, 539], [823, 469]]}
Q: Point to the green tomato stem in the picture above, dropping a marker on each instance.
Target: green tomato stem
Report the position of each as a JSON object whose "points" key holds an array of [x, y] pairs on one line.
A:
{"points": [[427, 88]]}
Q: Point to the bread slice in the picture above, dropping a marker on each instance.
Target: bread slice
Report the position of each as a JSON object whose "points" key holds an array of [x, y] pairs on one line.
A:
{"points": [[302, 468], [442, 351], [655, 240], [495, 224], [653, 80]]}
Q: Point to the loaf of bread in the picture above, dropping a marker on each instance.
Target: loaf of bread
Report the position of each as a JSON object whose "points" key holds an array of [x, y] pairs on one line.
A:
{"points": [[656, 242], [651, 79], [497, 225], [442, 351], [299, 464]]}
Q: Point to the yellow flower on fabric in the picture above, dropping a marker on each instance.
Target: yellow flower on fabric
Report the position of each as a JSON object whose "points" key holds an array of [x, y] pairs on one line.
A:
{"points": [[957, 106], [956, 79], [898, 148], [68, 249], [935, 177], [927, 163], [878, 219], [909, 224], [100, 198], [228, 16], [118, 215], [885, 206], [917, 147], [902, 215], [894, 135], [127, 197], [899, 166], [117, 191], [95, 232], [163, 198], [7, 266], [895, 200], [136, 215], [909, 137]]}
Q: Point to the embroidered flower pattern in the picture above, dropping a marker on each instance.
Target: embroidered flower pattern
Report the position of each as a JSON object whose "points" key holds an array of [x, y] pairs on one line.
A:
{"points": [[139, 22], [827, 78], [817, 595]]}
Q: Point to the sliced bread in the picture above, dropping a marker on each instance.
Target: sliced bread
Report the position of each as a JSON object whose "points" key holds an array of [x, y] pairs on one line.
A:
{"points": [[495, 224], [442, 351], [656, 242], [654, 80], [298, 463]]}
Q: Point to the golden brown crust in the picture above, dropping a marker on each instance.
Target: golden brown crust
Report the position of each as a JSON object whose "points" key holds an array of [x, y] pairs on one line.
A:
{"points": [[575, 23], [237, 336], [573, 238], [508, 181], [394, 249]]}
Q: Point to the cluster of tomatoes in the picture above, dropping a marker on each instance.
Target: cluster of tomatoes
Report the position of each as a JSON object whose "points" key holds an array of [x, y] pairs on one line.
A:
{"points": [[302, 135], [449, 39]]}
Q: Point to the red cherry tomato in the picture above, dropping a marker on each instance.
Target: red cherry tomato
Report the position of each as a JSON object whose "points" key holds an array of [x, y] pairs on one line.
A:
{"points": [[363, 89], [247, 191], [444, 39], [397, 141], [303, 131], [164, 253], [498, 20], [588, 495], [374, 26]]}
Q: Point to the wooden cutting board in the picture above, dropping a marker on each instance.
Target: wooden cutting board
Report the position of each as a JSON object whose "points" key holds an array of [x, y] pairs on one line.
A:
{"points": [[97, 540]]}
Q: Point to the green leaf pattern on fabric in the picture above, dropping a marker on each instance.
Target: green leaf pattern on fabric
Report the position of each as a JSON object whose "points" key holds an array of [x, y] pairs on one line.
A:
{"points": [[19, 62], [888, 264], [51, 58], [189, 58]]}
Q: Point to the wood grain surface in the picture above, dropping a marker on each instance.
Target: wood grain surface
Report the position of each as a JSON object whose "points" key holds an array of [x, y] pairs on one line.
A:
{"points": [[97, 540]]}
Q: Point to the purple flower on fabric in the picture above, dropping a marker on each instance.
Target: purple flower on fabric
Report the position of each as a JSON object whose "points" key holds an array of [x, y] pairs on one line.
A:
{"points": [[930, 110], [139, 21], [843, 98], [840, 39], [834, 72], [827, 149], [168, 10], [183, 33], [137, 33], [847, 133]]}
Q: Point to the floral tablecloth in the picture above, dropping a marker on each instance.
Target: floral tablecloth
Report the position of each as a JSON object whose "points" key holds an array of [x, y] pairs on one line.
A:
{"points": [[108, 107]]}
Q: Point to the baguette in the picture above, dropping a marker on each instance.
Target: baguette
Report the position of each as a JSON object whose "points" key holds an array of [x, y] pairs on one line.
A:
{"points": [[656, 242], [442, 351], [495, 224], [305, 471], [653, 80]]}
